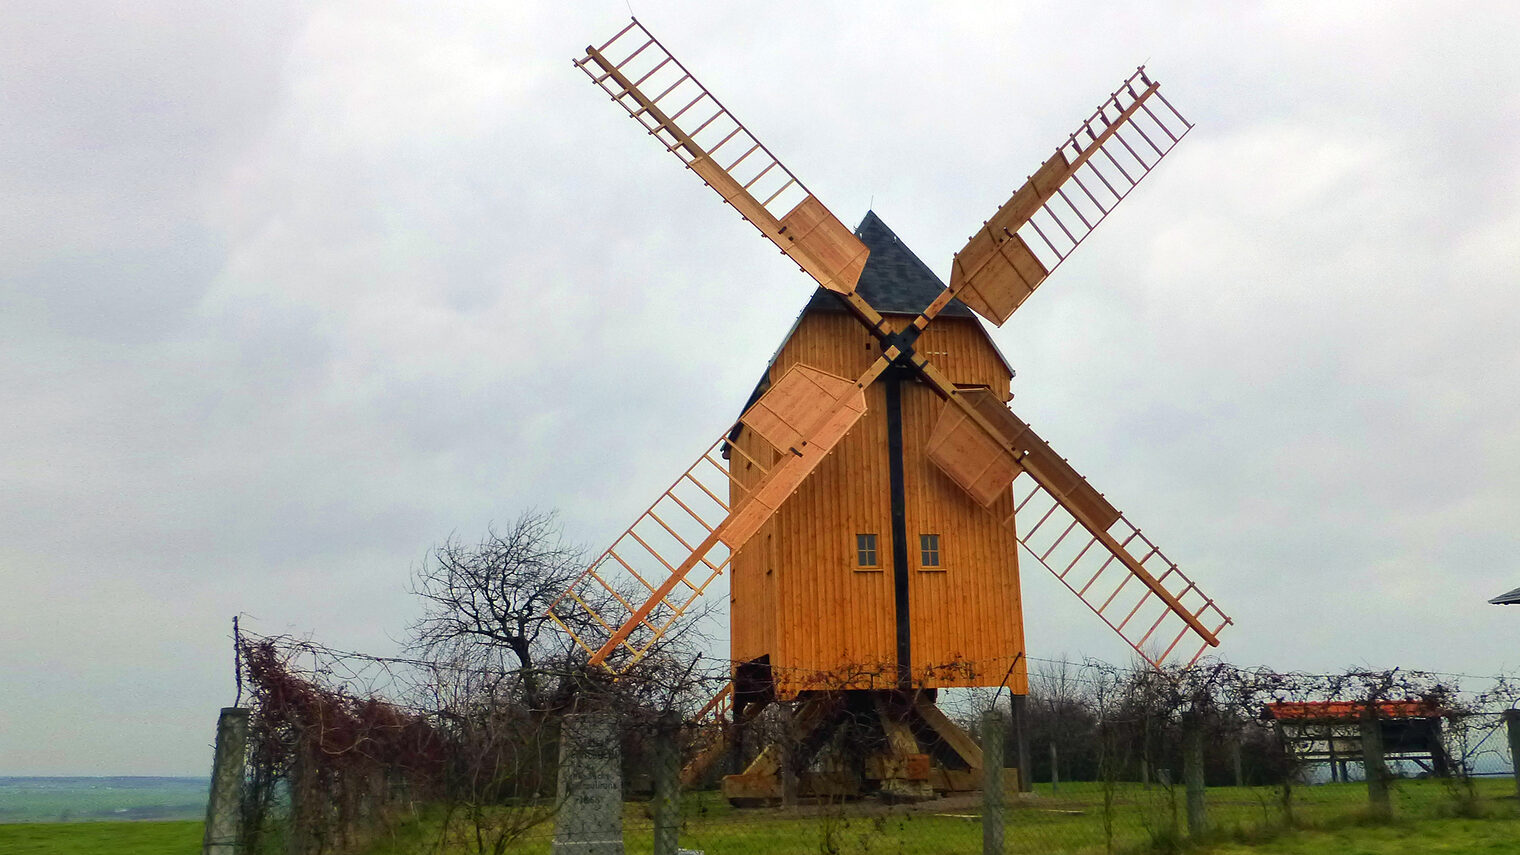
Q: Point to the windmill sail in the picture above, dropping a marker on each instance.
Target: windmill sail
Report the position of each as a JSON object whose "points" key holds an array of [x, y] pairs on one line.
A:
{"points": [[695, 126], [1088, 544], [1060, 205]]}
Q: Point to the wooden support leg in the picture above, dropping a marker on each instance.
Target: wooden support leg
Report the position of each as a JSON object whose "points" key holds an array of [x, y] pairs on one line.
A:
{"points": [[762, 780], [904, 769]]}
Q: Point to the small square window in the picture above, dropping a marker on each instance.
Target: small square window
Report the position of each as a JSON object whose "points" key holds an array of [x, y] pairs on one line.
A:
{"points": [[865, 550], [928, 549]]}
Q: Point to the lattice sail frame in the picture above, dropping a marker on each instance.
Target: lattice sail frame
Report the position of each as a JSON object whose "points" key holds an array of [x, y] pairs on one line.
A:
{"points": [[1086, 572], [986, 463], [1046, 219], [718, 148], [609, 594], [802, 416], [1001, 265]]}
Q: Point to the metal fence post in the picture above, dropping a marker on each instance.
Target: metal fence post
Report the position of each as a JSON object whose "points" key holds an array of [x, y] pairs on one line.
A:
{"points": [[590, 790], [1192, 773], [1376, 769], [992, 783], [667, 786], [224, 806]]}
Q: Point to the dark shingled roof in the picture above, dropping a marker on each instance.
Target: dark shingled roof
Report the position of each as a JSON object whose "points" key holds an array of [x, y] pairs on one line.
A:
{"points": [[894, 281], [1508, 598]]}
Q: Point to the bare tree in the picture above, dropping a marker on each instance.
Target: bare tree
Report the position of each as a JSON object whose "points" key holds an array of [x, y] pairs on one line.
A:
{"points": [[486, 605], [487, 600]]}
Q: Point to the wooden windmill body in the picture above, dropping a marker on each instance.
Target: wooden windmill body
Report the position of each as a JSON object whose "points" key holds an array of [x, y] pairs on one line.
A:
{"points": [[871, 503], [822, 594]]}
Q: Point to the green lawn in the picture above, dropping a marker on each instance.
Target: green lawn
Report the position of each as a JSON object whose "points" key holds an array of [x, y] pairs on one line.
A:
{"points": [[1438, 836], [1069, 821], [1072, 820], [101, 838]]}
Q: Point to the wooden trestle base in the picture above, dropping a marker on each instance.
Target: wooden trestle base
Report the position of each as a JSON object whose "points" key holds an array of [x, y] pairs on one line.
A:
{"points": [[895, 745]]}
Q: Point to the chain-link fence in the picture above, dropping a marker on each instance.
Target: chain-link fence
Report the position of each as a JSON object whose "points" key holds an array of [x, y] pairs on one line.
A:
{"points": [[351, 753]]}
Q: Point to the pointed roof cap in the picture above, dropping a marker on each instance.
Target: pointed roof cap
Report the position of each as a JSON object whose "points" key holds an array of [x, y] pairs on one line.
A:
{"points": [[894, 281], [1508, 598]]}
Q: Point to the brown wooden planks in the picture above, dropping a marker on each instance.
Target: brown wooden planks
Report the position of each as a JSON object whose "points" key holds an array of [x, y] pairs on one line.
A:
{"points": [[985, 464], [799, 405], [810, 227], [973, 458], [797, 595], [995, 272], [1004, 282]]}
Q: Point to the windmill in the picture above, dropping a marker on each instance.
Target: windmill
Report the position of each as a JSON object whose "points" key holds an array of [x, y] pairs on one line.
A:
{"points": [[870, 502]]}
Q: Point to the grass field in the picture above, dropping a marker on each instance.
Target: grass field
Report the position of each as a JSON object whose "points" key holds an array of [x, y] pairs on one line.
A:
{"points": [[1437, 836], [101, 838], [1247, 822], [1073, 820]]}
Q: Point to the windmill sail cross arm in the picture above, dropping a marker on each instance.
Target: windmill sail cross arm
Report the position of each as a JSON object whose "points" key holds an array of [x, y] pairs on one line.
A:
{"points": [[663, 96], [1045, 220], [1148, 600]]}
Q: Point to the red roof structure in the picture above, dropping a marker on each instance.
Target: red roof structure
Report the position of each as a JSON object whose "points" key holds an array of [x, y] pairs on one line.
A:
{"points": [[1348, 711]]}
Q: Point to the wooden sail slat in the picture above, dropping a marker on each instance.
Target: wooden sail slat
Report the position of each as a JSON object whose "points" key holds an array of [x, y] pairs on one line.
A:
{"points": [[827, 251], [984, 275]]}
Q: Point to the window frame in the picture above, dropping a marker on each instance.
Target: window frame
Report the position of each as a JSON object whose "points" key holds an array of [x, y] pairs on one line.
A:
{"points": [[861, 551], [925, 551]]}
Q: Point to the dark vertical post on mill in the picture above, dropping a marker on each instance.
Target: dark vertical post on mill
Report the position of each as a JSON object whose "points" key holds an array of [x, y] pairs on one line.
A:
{"points": [[893, 380]]}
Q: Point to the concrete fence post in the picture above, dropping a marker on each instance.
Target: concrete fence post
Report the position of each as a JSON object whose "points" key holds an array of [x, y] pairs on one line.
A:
{"points": [[590, 788], [667, 786], [1055, 769], [1512, 728], [992, 783], [1192, 773], [224, 806], [1374, 766]]}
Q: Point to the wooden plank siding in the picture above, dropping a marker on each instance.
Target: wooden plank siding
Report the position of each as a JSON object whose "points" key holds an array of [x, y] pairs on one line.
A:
{"points": [[796, 592]]}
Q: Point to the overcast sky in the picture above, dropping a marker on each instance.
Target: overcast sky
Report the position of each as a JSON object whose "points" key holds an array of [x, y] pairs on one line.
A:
{"points": [[289, 292]]}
